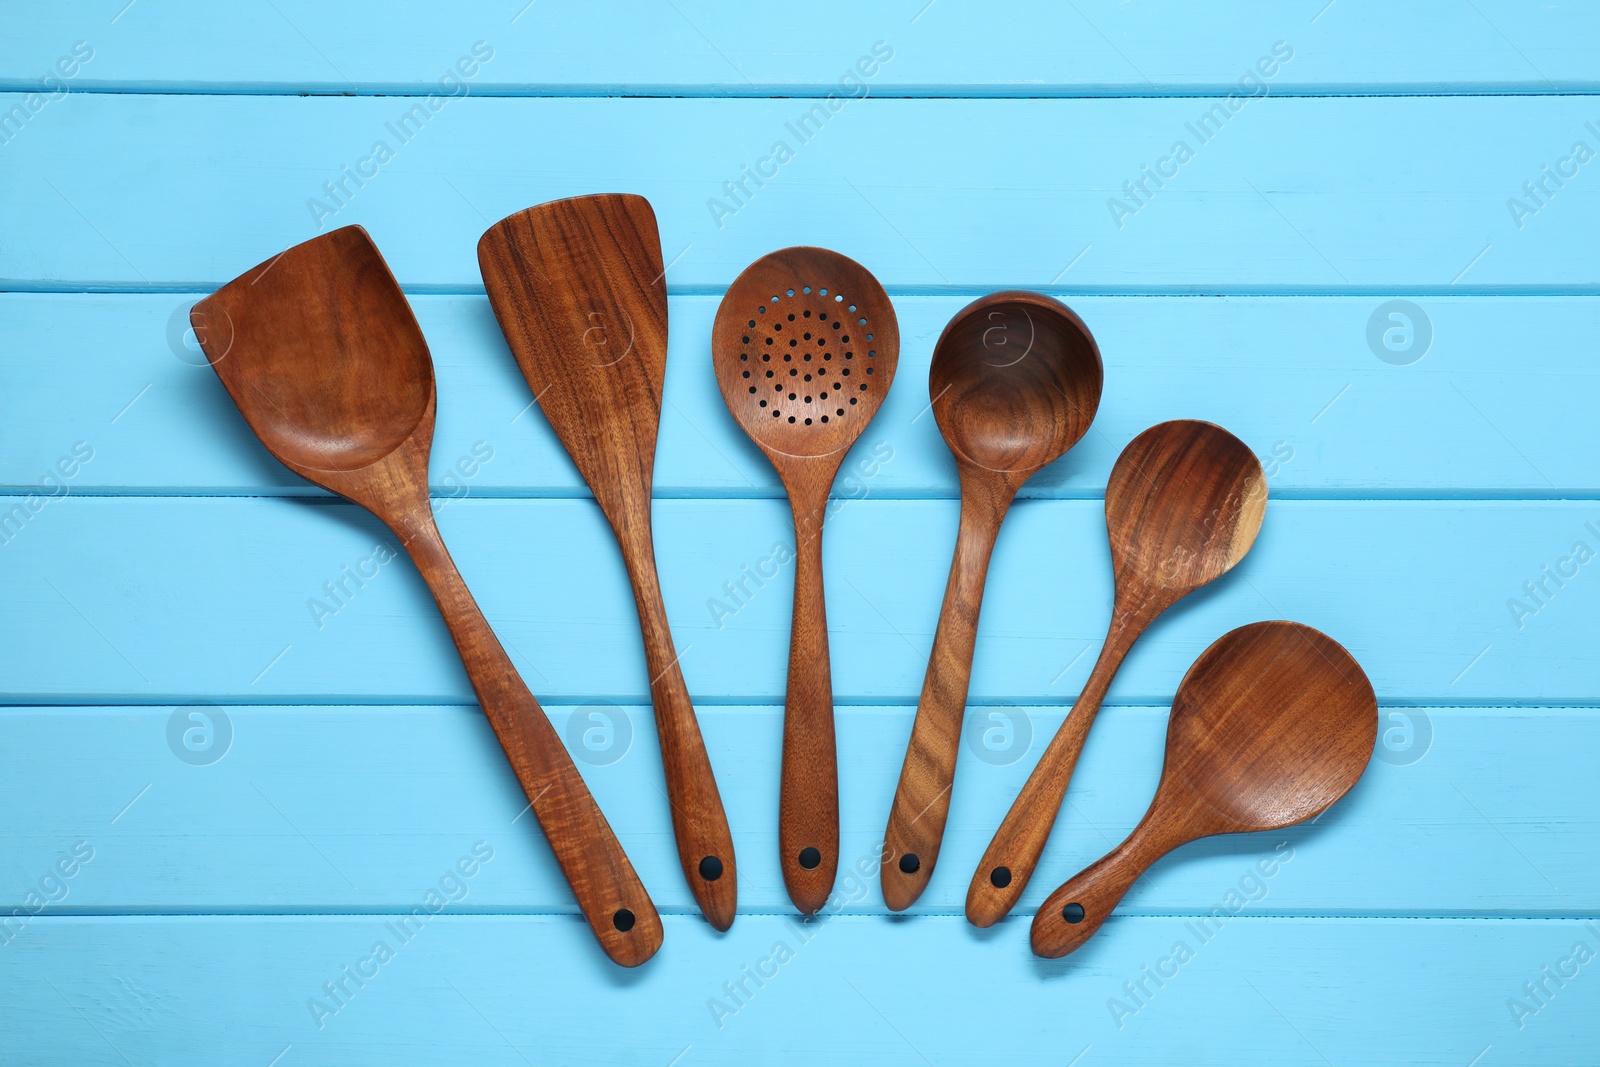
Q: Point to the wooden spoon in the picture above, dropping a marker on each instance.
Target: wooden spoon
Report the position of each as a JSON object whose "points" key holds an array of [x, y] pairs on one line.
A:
{"points": [[1183, 505], [581, 296], [1272, 724], [805, 346], [320, 351], [1015, 381]]}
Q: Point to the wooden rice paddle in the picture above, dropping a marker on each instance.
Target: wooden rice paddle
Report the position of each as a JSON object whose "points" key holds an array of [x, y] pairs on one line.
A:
{"points": [[581, 296], [1272, 724], [1183, 505], [323, 357]]}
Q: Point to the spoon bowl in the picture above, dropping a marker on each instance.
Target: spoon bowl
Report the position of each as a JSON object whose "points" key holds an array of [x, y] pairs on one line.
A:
{"points": [[1015, 382], [1272, 725], [1184, 503]]}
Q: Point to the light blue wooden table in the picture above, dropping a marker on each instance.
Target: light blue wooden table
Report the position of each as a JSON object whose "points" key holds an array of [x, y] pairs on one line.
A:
{"points": [[236, 745]]}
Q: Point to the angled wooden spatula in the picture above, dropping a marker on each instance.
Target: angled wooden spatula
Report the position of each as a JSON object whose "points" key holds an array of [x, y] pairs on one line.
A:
{"points": [[581, 296], [320, 351]]}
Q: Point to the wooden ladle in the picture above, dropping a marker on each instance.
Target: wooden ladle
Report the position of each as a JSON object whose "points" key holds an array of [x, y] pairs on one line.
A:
{"points": [[804, 347], [1272, 724], [1015, 382], [581, 296], [1183, 505], [322, 355]]}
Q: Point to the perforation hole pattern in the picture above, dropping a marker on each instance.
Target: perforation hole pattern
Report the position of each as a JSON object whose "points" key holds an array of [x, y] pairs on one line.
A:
{"points": [[807, 354]]}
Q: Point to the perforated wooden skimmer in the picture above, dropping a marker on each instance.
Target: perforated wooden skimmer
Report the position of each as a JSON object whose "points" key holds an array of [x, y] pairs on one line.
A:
{"points": [[805, 347]]}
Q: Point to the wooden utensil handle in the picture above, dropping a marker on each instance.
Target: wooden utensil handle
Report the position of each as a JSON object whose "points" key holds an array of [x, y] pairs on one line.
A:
{"points": [[1072, 914], [922, 799], [699, 823], [607, 889], [1014, 852], [808, 801]]}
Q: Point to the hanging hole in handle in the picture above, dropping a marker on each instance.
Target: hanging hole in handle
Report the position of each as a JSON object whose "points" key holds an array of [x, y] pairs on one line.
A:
{"points": [[1073, 913], [1000, 877], [910, 863], [711, 868], [623, 920], [810, 858]]}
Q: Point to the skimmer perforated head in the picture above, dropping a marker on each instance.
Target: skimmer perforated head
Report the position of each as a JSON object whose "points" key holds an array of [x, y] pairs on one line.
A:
{"points": [[805, 347]]}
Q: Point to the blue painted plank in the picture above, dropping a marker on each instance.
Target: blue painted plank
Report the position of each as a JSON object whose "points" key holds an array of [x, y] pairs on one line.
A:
{"points": [[347, 787], [1298, 379], [1285, 195], [1036, 48], [294, 810], [498, 990], [157, 600]]}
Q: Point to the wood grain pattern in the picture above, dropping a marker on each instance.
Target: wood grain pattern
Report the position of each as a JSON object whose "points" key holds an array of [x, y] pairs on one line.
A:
{"points": [[324, 359], [1272, 725], [1422, 412], [805, 346], [580, 293], [1183, 505], [1410, 502], [1015, 382]]}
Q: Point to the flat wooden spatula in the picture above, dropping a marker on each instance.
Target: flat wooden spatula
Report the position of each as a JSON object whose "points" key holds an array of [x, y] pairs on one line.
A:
{"points": [[581, 296], [320, 351]]}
